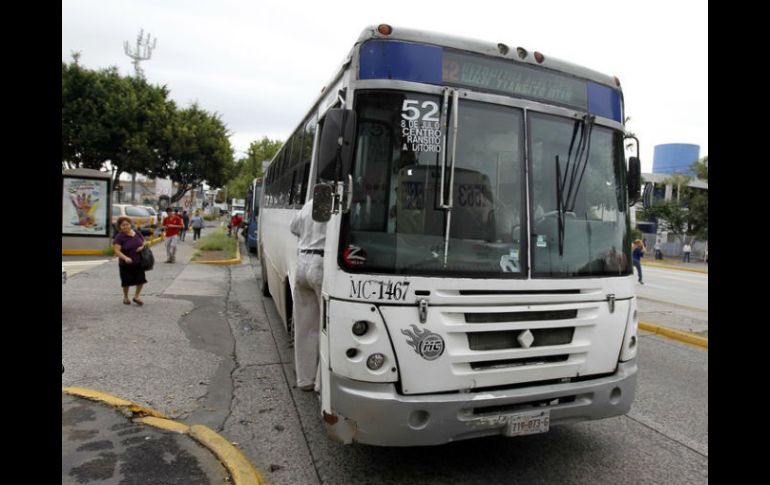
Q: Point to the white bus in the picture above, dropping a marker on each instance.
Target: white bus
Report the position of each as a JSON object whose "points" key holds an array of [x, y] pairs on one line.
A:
{"points": [[477, 270]]}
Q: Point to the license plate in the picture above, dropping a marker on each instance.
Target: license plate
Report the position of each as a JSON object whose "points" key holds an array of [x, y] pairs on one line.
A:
{"points": [[530, 422]]}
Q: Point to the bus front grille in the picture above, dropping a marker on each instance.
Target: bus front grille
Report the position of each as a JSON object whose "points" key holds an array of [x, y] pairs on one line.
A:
{"points": [[509, 339]]}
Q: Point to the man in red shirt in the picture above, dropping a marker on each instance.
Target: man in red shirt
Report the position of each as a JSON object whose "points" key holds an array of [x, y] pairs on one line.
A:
{"points": [[173, 225], [235, 223]]}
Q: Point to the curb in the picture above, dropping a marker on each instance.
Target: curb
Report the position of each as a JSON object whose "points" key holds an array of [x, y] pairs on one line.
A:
{"points": [[686, 337], [672, 266], [82, 252], [239, 467], [100, 252]]}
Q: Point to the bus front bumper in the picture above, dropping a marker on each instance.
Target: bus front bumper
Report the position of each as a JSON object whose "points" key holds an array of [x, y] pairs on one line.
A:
{"points": [[376, 414]]}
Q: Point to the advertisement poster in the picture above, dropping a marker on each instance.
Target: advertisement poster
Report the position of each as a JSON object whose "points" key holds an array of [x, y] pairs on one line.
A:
{"points": [[84, 208]]}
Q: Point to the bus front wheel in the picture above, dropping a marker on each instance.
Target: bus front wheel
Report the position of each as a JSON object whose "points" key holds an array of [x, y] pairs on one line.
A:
{"points": [[264, 286]]}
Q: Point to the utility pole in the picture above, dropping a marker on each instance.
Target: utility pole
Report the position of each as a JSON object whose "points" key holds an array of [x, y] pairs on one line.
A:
{"points": [[142, 52]]}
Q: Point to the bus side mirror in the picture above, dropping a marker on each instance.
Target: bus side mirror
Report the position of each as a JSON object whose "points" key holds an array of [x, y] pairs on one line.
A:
{"points": [[323, 198], [335, 149], [634, 180]]}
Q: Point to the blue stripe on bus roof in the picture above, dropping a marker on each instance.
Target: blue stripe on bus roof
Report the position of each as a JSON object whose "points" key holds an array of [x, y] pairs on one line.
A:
{"points": [[604, 101], [406, 61], [385, 59]]}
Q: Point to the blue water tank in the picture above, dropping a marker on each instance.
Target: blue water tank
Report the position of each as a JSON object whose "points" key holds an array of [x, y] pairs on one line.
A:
{"points": [[675, 158]]}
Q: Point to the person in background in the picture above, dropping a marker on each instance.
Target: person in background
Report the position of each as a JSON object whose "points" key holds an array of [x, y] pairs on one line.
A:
{"points": [[126, 244], [307, 295], [686, 250], [162, 214], [185, 225], [197, 224], [637, 250], [235, 224], [172, 224], [658, 252]]}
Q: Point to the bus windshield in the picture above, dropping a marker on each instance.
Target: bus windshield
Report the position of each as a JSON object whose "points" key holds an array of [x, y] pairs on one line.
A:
{"points": [[395, 224]]}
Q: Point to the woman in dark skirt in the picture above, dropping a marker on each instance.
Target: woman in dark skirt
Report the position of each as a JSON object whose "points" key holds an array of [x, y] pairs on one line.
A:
{"points": [[126, 245]]}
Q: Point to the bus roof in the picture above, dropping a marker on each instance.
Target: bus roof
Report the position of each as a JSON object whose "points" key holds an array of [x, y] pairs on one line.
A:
{"points": [[486, 48]]}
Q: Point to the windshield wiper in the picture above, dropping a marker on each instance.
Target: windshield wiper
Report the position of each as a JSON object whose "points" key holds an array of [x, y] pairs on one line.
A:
{"points": [[573, 173]]}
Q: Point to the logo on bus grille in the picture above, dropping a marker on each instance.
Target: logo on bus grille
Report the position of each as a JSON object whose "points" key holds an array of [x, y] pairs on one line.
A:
{"points": [[425, 343]]}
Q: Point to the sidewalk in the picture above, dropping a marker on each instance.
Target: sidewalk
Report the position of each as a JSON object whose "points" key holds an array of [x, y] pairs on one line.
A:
{"points": [[674, 321], [113, 351]]}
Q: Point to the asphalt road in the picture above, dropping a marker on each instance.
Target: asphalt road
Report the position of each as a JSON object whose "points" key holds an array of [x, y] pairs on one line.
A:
{"points": [[676, 287]]}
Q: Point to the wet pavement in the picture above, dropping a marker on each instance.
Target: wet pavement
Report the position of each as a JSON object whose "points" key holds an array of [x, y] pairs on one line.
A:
{"points": [[102, 445]]}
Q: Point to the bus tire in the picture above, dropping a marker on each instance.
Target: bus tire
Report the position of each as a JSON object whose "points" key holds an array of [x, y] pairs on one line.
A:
{"points": [[264, 285], [289, 313]]}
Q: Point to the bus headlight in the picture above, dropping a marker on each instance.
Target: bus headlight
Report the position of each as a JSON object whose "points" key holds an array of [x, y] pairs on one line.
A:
{"points": [[375, 361], [360, 327]]}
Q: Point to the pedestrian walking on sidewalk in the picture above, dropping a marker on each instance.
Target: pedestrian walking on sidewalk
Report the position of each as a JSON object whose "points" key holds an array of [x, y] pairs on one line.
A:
{"points": [[686, 250], [127, 244], [173, 225], [307, 295], [185, 225], [637, 250], [197, 224]]}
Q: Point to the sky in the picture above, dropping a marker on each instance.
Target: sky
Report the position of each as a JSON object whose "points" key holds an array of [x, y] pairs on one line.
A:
{"points": [[259, 64]]}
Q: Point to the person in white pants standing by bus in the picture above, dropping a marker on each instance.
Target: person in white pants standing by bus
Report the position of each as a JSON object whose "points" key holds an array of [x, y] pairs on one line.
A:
{"points": [[307, 295]]}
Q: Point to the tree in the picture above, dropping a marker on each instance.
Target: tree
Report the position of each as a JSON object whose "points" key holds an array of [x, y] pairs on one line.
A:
{"points": [[195, 148], [671, 216], [110, 118], [250, 167], [135, 127], [699, 201], [700, 168]]}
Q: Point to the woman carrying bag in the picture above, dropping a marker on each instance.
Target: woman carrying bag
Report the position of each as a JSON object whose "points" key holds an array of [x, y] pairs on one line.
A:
{"points": [[127, 245]]}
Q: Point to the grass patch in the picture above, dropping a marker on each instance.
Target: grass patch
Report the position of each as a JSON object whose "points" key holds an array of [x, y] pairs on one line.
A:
{"points": [[215, 245], [108, 251]]}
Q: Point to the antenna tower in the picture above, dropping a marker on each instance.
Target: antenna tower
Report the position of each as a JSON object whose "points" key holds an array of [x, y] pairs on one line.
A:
{"points": [[142, 52]]}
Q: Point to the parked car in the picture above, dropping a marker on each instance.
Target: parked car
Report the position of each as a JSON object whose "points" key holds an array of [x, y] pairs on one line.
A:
{"points": [[142, 220]]}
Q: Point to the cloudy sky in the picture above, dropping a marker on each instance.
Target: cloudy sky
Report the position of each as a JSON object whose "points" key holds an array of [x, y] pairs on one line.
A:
{"points": [[260, 63]]}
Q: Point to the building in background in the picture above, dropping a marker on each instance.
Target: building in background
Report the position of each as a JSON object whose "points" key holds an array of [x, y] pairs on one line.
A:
{"points": [[670, 158]]}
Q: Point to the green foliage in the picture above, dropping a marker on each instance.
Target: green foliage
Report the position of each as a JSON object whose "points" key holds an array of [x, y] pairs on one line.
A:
{"points": [[194, 148], [133, 125], [671, 216], [636, 234], [700, 168], [217, 240], [699, 214], [250, 167]]}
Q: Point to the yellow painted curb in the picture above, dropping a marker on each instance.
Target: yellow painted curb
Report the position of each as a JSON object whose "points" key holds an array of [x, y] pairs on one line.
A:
{"points": [[154, 241], [113, 401], [237, 464], [675, 334], [239, 467], [166, 424], [100, 252], [673, 266], [82, 252]]}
